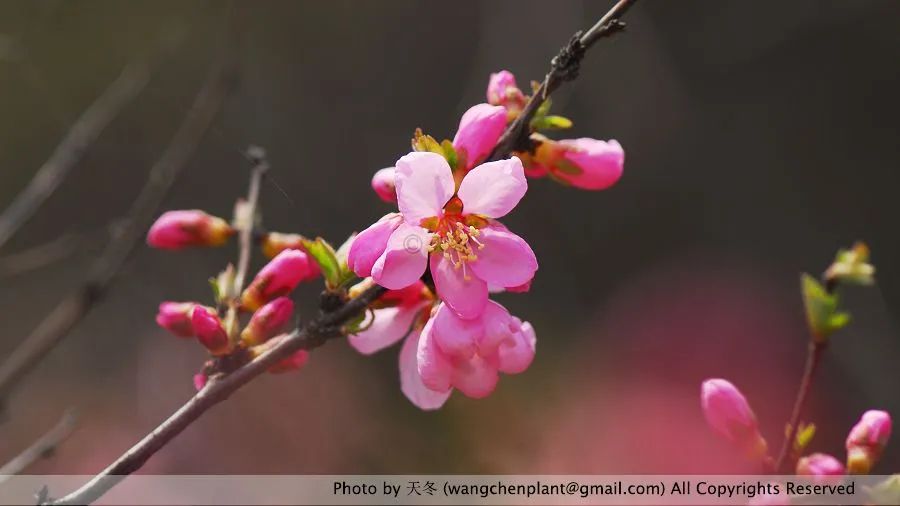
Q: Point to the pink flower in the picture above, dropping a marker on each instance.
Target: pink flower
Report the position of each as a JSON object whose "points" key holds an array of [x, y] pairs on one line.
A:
{"points": [[585, 163], [181, 229], [176, 318], [867, 440], [479, 130], [391, 318], [210, 331], [268, 321], [502, 90], [820, 464], [728, 413], [469, 354], [278, 278], [471, 249], [383, 184]]}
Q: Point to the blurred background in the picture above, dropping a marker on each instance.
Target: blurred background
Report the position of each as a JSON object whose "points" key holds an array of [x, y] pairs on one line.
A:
{"points": [[760, 137]]}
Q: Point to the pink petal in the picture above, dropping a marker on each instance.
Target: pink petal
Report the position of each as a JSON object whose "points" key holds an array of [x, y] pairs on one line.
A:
{"points": [[424, 184], [499, 326], [601, 162], [456, 337], [411, 382], [370, 244], [516, 354], [388, 327], [467, 297], [405, 258], [505, 260], [476, 378], [493, 189], [479, 130], [434, 368]]}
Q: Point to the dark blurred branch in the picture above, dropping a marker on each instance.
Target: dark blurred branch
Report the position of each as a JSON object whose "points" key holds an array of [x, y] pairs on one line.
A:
{"points": [[564, 67], [71, 310], [257, 157], [40, 255], [42, 448]]}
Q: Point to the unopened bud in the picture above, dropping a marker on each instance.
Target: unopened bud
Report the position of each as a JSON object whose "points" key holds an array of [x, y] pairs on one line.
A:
{"points": [[867, 440], [275, 242], [176, 318], [269, 321], [383, 184], [820, 464], [210, 331], [728, 413], [181, 229], [278, 278]]}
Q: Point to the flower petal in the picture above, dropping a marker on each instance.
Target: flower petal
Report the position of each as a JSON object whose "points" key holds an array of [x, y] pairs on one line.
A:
{"points": [[389, 325], [370, 244], [466, 297], [506, 259], [499, 326], [601, 163], [424, 184], [476, 378], [479, 130], [434, 368], [405, 258], [493, 189], [411, 382], [516, 354], [455, 336]]}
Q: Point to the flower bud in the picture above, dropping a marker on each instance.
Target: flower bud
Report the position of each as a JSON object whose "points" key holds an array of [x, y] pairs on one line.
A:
{"points": [[181, 229], [275, 242], [479, 130], [867, 440], [269, 321], [200, 380], [278, 278], [209, 330], [502, 90], [585, 163], [820, 464], [728, 413], [383, 184], [176, 318], [292, 363]]}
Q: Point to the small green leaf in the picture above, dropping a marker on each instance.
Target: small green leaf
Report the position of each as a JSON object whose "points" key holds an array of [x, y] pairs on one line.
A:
{"points": [[217, 294], [852, 266], [822, 313], [325, 256], [450, 153], [805, 435], [422, 142], [551, 123]]}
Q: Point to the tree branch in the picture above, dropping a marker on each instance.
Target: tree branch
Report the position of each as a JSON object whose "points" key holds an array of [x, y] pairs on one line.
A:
{"points": [[42, 448]]}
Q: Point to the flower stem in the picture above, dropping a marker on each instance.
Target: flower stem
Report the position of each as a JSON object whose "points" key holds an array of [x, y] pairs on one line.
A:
{"points": [[813, 359]]}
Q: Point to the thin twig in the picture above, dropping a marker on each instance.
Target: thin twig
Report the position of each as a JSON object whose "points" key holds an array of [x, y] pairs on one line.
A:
{"points": [[260, 166], [71, 310], [813, 358], [563, 67], [42, 448], [40, 255]]}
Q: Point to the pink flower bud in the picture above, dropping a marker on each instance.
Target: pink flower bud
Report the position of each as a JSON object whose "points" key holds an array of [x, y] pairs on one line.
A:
{"points": [[293, 362], [585, 163], [383, 184], [200, 380], [278, 278], [728, 413], [176, 318], [269, 321], [210, 331], [502, 90], [275, 242], [820, 464], [181, 229], [479, 130], [867, 440]]}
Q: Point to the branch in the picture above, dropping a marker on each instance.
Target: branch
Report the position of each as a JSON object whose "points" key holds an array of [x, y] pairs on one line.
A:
{"points": [[71, 310], [260, 166], [40, 255], [563, 67], [42, 448]]}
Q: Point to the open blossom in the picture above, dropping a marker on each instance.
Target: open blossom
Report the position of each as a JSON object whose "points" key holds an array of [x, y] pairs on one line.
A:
{"points": [[728, 413], [502, 90], [176, 318], [470, 248], [585, 163], [479, 130], [867, 440], [268, 321], [468, 354], [383, 184], [391, 317], [181, 229], [210, 331], [278, 278], [820, 464]]}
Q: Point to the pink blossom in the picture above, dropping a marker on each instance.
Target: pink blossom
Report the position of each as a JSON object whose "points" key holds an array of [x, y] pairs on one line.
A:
{"points": [[728, 413], [502, 90], [391, 318], [469, 354], [383, 184], [471, 248], [820, 464], [585, 163], [200, 380], [176, 318], [180, 229], [278, 278], [479, 130], [268, 321], [210, 331], [867, 440]]}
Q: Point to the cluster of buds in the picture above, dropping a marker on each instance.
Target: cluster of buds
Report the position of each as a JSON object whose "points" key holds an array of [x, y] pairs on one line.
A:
{"points": [[263, 304]]}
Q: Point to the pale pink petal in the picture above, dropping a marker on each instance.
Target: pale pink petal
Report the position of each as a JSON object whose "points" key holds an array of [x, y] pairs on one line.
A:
{"points": [[516, 354], [424, 184], [505, 260], [456, 337], [493, 189], [466, 297], [601, 163], [389, 325], [370, 244], [405, 258], [411, 382], [476, 377], [499, 326], [479, 130], [434, 368]]}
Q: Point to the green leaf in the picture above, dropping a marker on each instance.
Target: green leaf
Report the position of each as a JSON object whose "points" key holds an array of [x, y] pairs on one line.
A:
{"points": [[805, 434], [325, 256], [217, 293], [551, 123], [852, 266], [450, 153], [822, 313]]}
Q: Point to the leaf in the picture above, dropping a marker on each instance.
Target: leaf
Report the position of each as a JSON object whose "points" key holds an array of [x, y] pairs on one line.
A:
{"points": [[551, 123], [822, 314], [450, 153], [422, 142], [852, 266], [805, 435], [325, 256]]}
